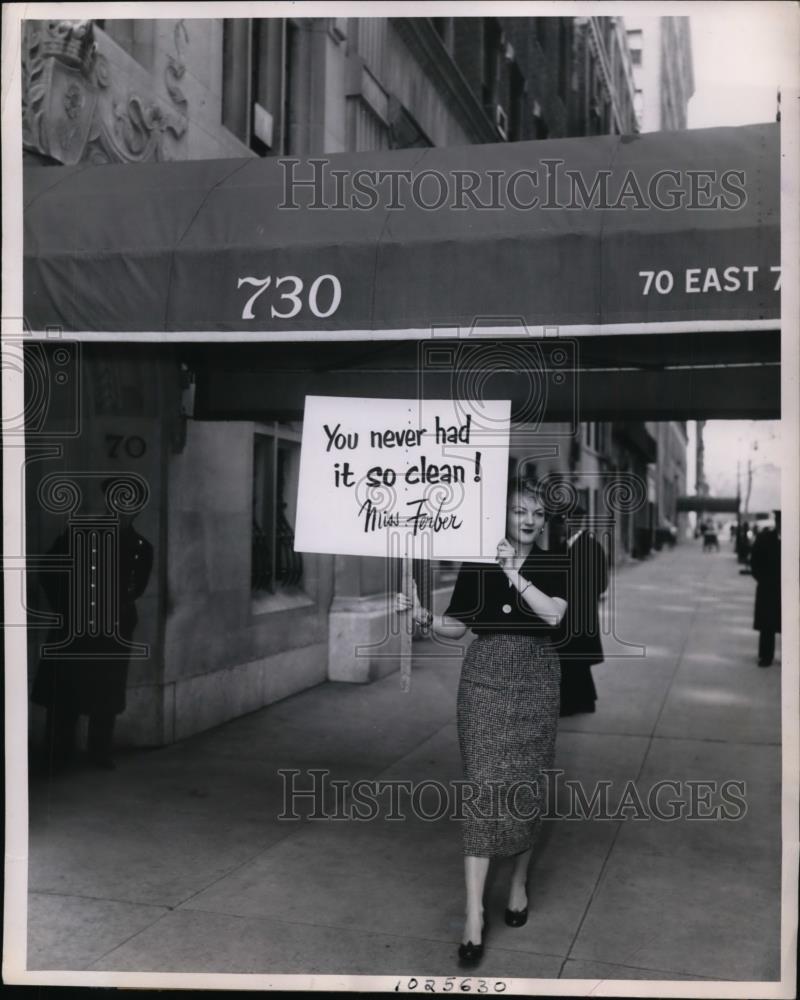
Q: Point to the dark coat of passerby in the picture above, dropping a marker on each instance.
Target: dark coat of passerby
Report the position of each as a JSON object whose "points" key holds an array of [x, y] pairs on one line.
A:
{"points": [[765, 565], [88, 676], [743, 543], [579, 644]]}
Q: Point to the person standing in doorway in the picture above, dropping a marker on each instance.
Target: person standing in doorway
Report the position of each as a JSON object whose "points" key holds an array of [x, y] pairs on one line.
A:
{"points": [[765, 566], [578, 641], [96, 603]]}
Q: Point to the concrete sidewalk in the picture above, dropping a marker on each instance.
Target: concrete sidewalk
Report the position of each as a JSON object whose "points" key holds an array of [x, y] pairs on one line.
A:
{"points": [[177, 861]]}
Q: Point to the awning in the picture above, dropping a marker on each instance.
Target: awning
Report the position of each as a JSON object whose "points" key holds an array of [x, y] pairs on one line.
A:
{"points": [[664, 232], [710, 505]]}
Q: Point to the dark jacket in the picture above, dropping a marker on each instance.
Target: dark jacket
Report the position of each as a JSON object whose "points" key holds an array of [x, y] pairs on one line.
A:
{"points": [[765, 565], [578, 640], [81, 667], [484, 600]]}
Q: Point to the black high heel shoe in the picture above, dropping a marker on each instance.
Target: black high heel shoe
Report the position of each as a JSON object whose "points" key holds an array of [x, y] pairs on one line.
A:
{"points": [[517, 918], [469, 954]]}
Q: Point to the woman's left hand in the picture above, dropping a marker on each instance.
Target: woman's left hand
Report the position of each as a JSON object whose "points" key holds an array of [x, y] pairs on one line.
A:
{"points": [[505, 555]]}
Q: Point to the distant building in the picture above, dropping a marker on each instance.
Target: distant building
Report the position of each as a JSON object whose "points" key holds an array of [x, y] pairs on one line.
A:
{"points": [[672, 473], [661, 56], [661, 53], [603, 78]]}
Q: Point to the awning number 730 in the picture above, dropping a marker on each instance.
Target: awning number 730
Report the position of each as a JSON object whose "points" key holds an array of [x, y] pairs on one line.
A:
{"points": [[292, 296]]}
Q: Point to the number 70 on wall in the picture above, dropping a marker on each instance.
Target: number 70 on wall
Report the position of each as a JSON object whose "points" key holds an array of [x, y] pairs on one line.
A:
{"points": [[291, 299]]}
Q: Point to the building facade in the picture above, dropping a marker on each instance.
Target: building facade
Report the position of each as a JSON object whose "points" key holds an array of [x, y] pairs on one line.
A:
{"points": [[672, 474], [661, 57], [233, 619], [121, 90], [661, 54]]}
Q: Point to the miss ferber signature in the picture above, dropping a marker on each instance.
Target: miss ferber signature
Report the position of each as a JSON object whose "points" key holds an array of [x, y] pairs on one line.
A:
{"points": [[375, 519]]}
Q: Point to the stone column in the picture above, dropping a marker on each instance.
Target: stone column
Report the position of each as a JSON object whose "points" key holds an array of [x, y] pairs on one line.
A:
{"points": [[363, 635]]}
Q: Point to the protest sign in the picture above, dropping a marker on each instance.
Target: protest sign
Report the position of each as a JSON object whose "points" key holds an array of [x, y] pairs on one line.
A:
{"points": [[403, 477]]}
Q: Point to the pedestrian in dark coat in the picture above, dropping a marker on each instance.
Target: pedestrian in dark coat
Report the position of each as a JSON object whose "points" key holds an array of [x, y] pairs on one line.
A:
{"points": [[578, 644], [84, 671], [765, 566]]}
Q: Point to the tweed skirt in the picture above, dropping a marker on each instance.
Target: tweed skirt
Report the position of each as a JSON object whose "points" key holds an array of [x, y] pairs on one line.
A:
{"points": [[508, 704]]}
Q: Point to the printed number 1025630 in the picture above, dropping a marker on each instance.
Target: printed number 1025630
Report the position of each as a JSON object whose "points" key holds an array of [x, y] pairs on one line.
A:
{"points": [[450, 984]]}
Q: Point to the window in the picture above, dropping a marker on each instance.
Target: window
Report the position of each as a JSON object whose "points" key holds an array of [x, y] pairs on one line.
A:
{"points": [[541, 32], [275, 566], [564, 57], [516, 101], [636, 57], [540, 127], [135, 35], [254, 94], [236, 71], [595, 104], [491, 63], [443, 26], [596, 435], [404, 130]]}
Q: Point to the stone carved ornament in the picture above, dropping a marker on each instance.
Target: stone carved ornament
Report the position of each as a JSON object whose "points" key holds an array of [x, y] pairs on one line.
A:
{"points": [[70, 111]]}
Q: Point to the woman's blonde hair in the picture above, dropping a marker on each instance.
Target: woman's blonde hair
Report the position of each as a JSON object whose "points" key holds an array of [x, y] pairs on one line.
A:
{"points": [[526, 486]]}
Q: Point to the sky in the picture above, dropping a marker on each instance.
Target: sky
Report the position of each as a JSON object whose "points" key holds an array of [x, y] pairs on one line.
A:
{"points": [[742, 55], [729, 446]]}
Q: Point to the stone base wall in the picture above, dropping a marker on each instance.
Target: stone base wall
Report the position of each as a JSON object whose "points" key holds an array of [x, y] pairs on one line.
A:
{"points": [[364, 643]]}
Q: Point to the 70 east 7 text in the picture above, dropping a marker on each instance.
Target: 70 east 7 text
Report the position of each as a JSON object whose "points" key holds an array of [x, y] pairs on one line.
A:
{"points": [[702, 280]]}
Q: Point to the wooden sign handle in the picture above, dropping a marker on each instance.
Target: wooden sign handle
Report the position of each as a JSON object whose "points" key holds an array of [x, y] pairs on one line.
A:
{"points": [[406, 632]]}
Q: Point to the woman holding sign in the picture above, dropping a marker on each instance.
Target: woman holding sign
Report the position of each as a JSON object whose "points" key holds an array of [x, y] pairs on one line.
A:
{"points": [[508, 700]]}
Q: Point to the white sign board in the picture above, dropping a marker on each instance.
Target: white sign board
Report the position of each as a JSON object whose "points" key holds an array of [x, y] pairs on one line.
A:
{"points": [[403, 477]]}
